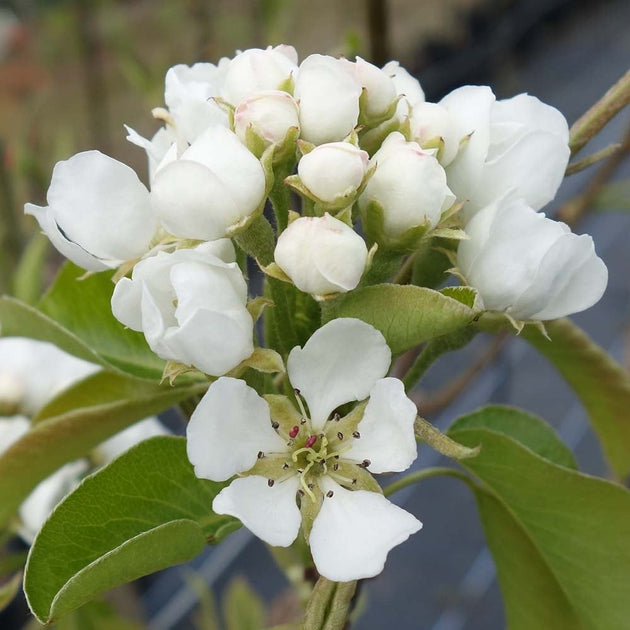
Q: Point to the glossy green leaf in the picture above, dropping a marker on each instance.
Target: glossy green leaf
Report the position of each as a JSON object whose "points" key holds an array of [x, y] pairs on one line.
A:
{"points": [[143, 512], [601, 383], [406, 315], [560, 539], [97, 615], [75, 314], [64, 432]]}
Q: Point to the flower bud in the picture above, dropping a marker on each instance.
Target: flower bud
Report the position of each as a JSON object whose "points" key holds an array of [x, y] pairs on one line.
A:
{"points": [[99, 213], [380, 91], [327, 91], [517, 144], [408, 184], [527, 265], [256, 70], [432, 128], [269, 115], [216, 184], [333, 172], [321, 255], [191, 307]]}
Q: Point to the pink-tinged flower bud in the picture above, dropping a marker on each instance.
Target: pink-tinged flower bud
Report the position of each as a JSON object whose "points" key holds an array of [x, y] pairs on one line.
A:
{"points": [[380, 91], [432, 127], [408, 184], [321, 255], [333, 172], [268, 115], [256, 70], [529, 266]]}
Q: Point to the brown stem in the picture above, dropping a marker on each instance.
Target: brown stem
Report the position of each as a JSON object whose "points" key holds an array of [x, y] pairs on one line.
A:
{"points": [[378, 26], [594, 120], [443, 397], [574, 209]]}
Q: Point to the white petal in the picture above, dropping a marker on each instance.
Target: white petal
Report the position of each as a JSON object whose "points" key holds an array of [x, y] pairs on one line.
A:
{"points": [[192, 202], [126, 301], [271, 514], [228, 428], [11, 430], [354, 532], [101, 205], [340, 363], [70, 250], [215, 342], [386, 429]]}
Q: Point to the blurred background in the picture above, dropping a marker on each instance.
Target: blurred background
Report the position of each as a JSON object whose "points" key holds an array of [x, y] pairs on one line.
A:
{"points": [[73, 71]]}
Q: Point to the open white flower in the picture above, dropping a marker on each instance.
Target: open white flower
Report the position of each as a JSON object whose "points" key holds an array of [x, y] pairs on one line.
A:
{"points": [[99, 213], [215, 184], [518, 144], [529, 266], [191, 306], [283, 456]]}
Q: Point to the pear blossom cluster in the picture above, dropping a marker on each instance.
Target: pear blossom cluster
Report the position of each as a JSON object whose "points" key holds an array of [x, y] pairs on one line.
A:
{"points": [[357, 164]]}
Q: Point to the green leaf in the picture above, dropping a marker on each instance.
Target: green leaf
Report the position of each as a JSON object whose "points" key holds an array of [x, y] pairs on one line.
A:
{"points": [[602, 385], [243, 609], [143, 512], [63, 432], [9, 590], [406, 315], [76, 316], [96, 615], [560, 539]]}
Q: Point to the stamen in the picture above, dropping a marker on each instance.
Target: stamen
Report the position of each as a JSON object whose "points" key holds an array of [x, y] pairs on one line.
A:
{"points": [[275, 425], [285, 465], [356, 435], [260, 454], [335, 466], [329, 494], [294, 431], [340, 435], [310, 442], [365, 463], [336, 417], [270, 482], [300, 403]]}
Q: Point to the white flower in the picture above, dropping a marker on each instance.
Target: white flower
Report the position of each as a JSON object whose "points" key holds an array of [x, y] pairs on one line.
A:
{"points": [[269, 115], [327, 91], [529, 266], [215, 184], [125, 439], [190, 93], [39, 370], [99, 213], [156, 148], [431, 122], [518, 144], [321, 255], [406, 86], [36, 508], [316, 456], [255, 70], [333, 171], [380, 90], [191, 307], [408, 183]]}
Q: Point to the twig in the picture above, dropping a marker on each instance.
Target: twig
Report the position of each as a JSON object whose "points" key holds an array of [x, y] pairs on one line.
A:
{"points": [[580, 165], [574, 209], [378, 26], [444, 396], [594, 120]]}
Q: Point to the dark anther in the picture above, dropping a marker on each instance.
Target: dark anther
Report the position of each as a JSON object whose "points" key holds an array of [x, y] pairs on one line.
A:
{"points": [[297, 391], [294, 431], [260, 454], [310, 486], [354, 482], [275, 424], [270, 482], [356, 434], [336, 417], [365, 463], [329, 494], [335, 466], [301, 492], [300, 471], [303, 421], [285, 466], [311, 441], [340, 435]]}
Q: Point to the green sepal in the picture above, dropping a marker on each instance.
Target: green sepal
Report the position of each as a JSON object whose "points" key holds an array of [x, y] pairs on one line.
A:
{"points": [[283, 411], [173, 369], [273, 270], [359, 478], [367, 122], [263, 360], [257, 306], [345, 426], [309, 509], [371, 139]]}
